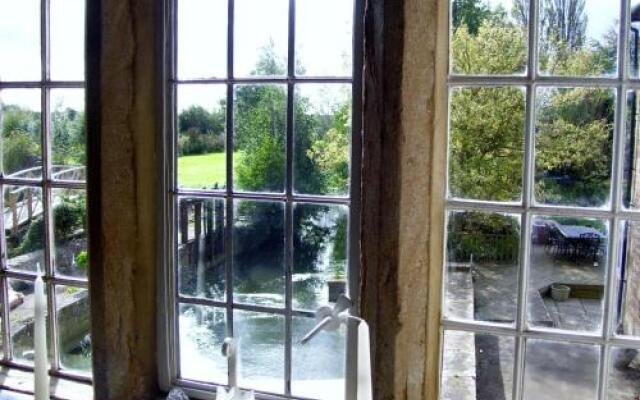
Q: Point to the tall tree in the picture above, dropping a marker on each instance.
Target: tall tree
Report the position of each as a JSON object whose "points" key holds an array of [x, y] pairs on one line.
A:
{"points": [[470, 13], [564, 21]]}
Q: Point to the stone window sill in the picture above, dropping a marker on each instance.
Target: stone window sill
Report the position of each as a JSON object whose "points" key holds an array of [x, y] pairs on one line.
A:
{"points": [[19, 386]]}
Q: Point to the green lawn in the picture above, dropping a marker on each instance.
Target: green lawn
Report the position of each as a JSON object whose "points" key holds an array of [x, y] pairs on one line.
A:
{"points": [[203, 170]]}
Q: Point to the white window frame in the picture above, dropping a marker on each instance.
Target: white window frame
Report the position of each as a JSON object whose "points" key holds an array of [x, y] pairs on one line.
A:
{"points": [[47, 183], [169, 298], [527, 209]]}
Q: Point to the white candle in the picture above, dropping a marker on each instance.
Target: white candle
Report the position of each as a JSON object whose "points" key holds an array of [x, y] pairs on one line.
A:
{"points": [[364, 362], [41, 360]]}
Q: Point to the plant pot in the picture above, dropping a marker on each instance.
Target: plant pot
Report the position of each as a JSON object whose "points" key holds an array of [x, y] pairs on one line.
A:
{"points": [[336, 288], [560, 292]]}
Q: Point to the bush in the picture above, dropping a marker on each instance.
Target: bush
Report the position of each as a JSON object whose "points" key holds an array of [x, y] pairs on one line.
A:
{"points": [[21, 151], [488, 237], [194, 142], [82, 260]]}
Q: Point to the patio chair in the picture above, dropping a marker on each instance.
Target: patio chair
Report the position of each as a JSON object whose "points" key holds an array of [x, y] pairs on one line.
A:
{"points": [[589, 245]]}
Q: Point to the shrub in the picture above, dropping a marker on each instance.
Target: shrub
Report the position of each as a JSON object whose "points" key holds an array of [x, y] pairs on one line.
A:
{"points": [[194, 142]]}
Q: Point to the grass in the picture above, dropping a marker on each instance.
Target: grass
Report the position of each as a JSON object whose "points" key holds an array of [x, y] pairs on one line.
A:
{"points": [[203, 170]]}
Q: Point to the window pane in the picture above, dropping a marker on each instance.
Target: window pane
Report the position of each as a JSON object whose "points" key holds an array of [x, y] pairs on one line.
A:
{"points": [[624, 374], [627, 304], [574, 140], [259, 137], [477, 366], [24, 227], [202, 332], [489, 37], [261, 37], [74, 323], [578, 38], [556, 370], [258, 253], [68, 134], [202, 39], [21, 320], [319, 254], [202, 163], [67, 40], [329, 53], [481, 275], [318, 367], [21, 132], [568, 273], [631, 171], [634, 40], [20, 40], [486, 143], [70, 232], [261, 347], [322, 132], [200, 248]]}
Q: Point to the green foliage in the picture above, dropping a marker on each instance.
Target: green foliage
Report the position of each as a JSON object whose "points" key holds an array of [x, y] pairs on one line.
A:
{"points": [[497, 48], [339, 253], [574, 134], [20, 151], [469, 13], [486, 143], [82, 260], [69, 218], [68, 133], [488, 237], [331, 152], [201, 131]]}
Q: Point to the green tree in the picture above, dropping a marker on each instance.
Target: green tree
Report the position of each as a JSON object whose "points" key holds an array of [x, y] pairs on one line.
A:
{"points": [[469, 13]]}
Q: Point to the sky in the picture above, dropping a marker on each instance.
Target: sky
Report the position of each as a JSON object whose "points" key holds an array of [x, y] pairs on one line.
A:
{"points": [[323, 39]]}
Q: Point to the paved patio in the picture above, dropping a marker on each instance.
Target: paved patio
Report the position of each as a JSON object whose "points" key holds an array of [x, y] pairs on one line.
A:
{"points": [[554, 370]]}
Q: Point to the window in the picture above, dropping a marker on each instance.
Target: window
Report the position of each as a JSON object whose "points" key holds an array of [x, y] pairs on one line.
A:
{"points": [[43, 186], [262, 177], [540, 288]]}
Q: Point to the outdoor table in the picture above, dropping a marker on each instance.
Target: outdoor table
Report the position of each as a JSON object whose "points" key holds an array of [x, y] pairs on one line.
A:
{"points": [[573, 232]]}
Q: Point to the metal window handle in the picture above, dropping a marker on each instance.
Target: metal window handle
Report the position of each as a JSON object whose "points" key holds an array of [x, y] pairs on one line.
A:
{"points": [[330, 319]]}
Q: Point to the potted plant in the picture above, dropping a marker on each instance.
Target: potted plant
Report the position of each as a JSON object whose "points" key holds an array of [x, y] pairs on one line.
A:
{"points": [[560, 292]]}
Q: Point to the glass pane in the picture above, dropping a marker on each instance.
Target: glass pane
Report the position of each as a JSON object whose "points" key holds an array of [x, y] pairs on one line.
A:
{"points": [[568, 273], [329, 53], [261, 347], [624, 374], [20, 121], [627, 303], [489, 37], [578, 38], [24, 227], [67, 40], [318, 367], [259, 137], [202, 332], [481, 274], [200, 247], [319, 254], [477, 366], [574, 140], [486, 143], [261, 37], [20, 40], [74, 323], [21, 320], [258, 253], [68, 134], [202, 163], [631, 163], [202, 39], [634, 40], [555, 370], [322, 132], [70, 232]]}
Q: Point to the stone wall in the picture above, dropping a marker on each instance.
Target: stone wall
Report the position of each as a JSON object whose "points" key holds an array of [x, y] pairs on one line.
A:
{"points": [[631, 304]]}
